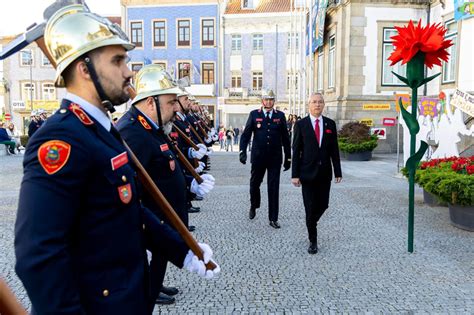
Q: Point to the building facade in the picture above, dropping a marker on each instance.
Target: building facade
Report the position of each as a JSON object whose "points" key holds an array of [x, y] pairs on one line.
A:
{"points": [[183, 36], [261, 52], [351, 67]]}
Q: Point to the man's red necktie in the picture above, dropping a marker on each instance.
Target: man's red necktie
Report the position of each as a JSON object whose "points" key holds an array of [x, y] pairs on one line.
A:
{"points": [[317, 132]]}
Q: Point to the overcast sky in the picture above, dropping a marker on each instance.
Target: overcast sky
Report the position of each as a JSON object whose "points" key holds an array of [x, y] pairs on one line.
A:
{"points": [[17, 15]]}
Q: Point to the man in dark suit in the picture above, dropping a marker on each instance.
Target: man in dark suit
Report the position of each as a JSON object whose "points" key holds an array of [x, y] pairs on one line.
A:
{"points": [[315, 148], [268, 126]]}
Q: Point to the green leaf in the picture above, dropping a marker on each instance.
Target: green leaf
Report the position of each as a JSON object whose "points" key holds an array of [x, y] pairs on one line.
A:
{"points": [[412, 162], [411, 121], [428, 79], [403, 79]]}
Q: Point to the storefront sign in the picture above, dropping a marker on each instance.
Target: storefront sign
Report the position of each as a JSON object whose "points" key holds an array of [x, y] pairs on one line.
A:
{"points": [[389, 122]]}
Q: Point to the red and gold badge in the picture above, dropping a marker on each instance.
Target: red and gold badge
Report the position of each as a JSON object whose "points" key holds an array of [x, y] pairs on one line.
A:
{"points": [[125, 193], [164, 147], [81, 114], [144, 123], [172, 165], [53, 155]]}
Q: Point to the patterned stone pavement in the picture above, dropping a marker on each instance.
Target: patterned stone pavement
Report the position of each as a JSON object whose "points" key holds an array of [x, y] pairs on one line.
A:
{"points": [[362, 266]]}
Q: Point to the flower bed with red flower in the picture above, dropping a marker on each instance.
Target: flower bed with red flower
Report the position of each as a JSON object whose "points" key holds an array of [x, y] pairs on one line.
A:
{"points": [[450, 179]]}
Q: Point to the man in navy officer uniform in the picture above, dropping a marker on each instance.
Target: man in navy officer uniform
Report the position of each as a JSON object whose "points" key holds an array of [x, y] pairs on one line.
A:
{"points": [[144, 127], [268, 127], [81, 232]]}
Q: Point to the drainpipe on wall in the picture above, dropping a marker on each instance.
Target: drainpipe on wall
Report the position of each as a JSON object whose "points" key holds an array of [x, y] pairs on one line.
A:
{"points": [[276, 63]]}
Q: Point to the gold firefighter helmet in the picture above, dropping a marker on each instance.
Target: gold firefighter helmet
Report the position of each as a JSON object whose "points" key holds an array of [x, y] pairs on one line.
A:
{"points": [[269, 95], [73, 31], [191, 98], [183, 92], [153, 80]]}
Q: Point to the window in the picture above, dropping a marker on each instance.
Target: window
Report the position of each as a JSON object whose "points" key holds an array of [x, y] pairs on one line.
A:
{"points": [[207, 29], [257, 81], [49, 92], [27, 91], [320, 68], [332, 62], [293, 41], [207, 73], [136, 32], [159, 33], [162, 64], [247, 4], [26, 58], [290, 84], [45, 61], [184, 31], [257, 42], [449, 68], [387, 76], [135, 67], [184, 69], [236, 43], [236, 81]]}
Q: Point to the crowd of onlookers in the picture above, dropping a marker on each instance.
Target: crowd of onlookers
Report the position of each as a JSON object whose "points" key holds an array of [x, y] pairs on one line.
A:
{"points": [[10, 136], [228, 137]]}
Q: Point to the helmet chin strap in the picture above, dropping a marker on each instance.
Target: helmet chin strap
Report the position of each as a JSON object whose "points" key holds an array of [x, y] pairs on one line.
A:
{"points": [[95, 79], [158, 111]]}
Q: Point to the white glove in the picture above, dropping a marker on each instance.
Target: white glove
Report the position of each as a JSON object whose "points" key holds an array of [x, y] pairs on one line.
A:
{"points": [[200, 167], [208, 139], [193, 264], [215, 138], [198, 154], [204, 188]]}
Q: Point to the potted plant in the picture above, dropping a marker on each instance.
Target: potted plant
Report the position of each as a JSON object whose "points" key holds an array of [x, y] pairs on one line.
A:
{"points": [[451, 180], [356, 142]]}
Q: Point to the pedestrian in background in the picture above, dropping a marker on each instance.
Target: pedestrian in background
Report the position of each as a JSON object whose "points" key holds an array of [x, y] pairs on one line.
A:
{"points": [[236, 135], [221, 138], [315, 153]]}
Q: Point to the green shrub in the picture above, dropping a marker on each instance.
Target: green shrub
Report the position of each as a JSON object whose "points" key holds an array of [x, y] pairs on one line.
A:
{"points": [[355, 137]]}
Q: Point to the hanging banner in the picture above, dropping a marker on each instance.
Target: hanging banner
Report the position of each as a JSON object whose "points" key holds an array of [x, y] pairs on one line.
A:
{"points": [[405, 101], [428, 107], [318, 27], [464, 101], [463, 9], [367, 121], [375, 106]]}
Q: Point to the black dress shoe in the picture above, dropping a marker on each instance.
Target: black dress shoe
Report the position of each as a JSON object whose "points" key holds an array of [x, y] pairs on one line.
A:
{"points": [[170, 291], [194, 210], [275, 224], [252, 213], [313, 248], [191, 228], [198, 198], [165, 299]]}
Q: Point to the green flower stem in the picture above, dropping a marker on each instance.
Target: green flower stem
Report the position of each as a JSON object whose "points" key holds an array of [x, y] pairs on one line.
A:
{"points": [[411, 172]]}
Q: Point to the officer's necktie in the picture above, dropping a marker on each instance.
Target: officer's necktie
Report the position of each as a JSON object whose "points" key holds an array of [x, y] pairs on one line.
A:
{"points": [[268, 116], [317, 132]]}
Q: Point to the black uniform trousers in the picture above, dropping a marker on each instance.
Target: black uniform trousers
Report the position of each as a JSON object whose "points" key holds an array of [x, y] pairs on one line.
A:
{"points": [[316, 201], [273, 182]]}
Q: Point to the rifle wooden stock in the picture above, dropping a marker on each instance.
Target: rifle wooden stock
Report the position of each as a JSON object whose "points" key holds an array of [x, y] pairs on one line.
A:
{"points": [[193, 130], [185, 137], [199, 123], [185, 162], [9, 305], [166, 208]]}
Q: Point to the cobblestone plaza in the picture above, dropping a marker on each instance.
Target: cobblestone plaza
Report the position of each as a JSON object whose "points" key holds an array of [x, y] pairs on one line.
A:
{"points": [[362, 266]]}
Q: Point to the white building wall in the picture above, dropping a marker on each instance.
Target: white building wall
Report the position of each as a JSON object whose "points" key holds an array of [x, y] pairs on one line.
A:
{"points": [[372, 50]]}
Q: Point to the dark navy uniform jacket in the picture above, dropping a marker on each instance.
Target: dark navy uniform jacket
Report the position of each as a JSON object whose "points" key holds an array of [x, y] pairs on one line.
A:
{"points": [[156, 156], [183, 125], [80, 233], [33, 126], [268, 137]]}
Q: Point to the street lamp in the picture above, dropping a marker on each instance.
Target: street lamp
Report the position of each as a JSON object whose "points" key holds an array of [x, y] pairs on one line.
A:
{"points": [[30, 62]]}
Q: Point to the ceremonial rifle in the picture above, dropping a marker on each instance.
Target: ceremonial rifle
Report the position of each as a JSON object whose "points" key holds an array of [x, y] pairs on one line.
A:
{"points": [[9, 305]]}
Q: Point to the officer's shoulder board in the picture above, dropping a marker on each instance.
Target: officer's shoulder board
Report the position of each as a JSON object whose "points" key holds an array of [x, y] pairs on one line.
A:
{"points": [[80, 114], [144, 122]]}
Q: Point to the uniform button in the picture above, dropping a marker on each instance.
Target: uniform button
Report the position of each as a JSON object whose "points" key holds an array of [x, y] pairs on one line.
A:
{"points": [[124, 178], [143, 226], [268, 137], [162, 222], [63, 111], [268, 130], [105, 293], [268, 142]]}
